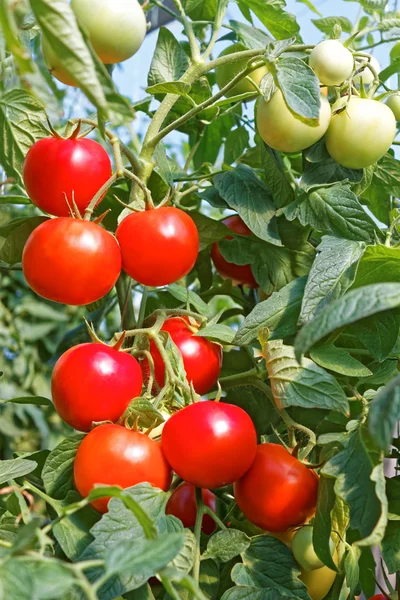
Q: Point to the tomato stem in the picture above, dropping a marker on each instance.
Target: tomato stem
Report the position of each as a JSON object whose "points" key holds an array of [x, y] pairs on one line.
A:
{"points": [[212, 514]]}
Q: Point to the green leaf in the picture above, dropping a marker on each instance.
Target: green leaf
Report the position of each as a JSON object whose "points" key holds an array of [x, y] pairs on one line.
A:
{"points": [[213, 138], [339, 360], [210, 230], [36, 400], [332, 273], [184, 560], [73, 532], [384, 414], [279, 23], [300, 88], [225, 545], [12, 247], [145, 411], [251, 37], [52, 578], [22, 120], [169, 60], [245, 193], [184, 295], [279, 186], [14, 199], [353, 306], [18, 467], [327, 24], [352, 568], [360, 483], [378, 333], [391, 547], [169, 87], [57, 474], [199, 10], [16, 582], [322, 529], [260, 409], [279, 313], [305, 385], [217, 332], [379, 264], [235, 144]]}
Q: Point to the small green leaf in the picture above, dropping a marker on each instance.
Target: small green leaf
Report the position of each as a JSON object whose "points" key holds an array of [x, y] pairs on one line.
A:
{"points": [[300, 88], [12, 247], [169, 87], [169, 60], [235, 144], [281, 190], [225, 545], [18, 467], [143, 409], [339, 360], [378, 333], [217, 332], [57, 474], [326, 24], [36, 400], [279, 23], [384, 413], [379, 264], [210, 230], [184, 295], [322, 529], [391, 547]]}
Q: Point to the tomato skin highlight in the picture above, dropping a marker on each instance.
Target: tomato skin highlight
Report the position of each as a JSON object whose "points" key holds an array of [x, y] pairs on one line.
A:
{"points": [[210, 444], [278, 492], [114, 455], [182, 504], [361, 134], [332, 62], [71, 261], [94, 382], [226, 73], [158, 246], [202, 358], [240, 274], [58, 169]]}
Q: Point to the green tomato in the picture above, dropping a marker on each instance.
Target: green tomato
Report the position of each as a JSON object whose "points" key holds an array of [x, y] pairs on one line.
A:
{"points": [[395, 52], [318, 582], [226, 73], [332, 62], [393, 103], [281, 130], [116, 28], [303, 549], [54, 64], [360, 134], [366, 74]]}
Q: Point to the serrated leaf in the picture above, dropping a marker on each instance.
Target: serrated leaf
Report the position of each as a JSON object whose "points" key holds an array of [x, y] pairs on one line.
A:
{"points": [[353, 306], [12, 247], [217, 332], [169, 87], [16, 582], [169, 60], [235, 144], [279, 313], [279, 23], [57, 472], [379, 264], [322, 529], [210, 230], [327, 24], [281, 190], [183, 295], [391, 547], [339, 360], [244, 192], [147, 414], [251, 37], [378, 333], [18, 467], [225, 545], [300, 88], [384, 414], [305, 385]]}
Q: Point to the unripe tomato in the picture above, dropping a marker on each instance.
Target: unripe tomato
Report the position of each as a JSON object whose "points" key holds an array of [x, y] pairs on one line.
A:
{"points": [[116, 29], [319, 581], [332, 62], [202, 359], [366, 74], [361, 134], [114, 455], [226, 73], [281, 130], [210, 444], [303, 549], [71, 261], [393, 103], [158, 246], [59, 170], [94, 382], [395, 52], [240, 274], [278, 492], [182, 505], [55, 65]]}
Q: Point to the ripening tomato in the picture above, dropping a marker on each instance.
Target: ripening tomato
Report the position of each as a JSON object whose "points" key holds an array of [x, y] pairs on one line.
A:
{"points": [[55, 64], [202, 359], [281, 130], [210, 444], [226, 73], [332, 62], [116, 29], [278, 491], [366, 74], [182, 505], [240, 274], [57, 171], [93, 383], [114, 455], [393, 103], [378, 597], [71, 261], [361, 133], [158, 246], [303, 549], [319, 581]]}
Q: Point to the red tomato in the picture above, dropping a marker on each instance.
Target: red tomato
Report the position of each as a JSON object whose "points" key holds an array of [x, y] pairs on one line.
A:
{"points": [[202, 359], [182, 505], [240, 274], [158, 246], [55, 169], [71, 261], [114, 455], [278, 491], [210, 444], [94, 382], [378, 597]]}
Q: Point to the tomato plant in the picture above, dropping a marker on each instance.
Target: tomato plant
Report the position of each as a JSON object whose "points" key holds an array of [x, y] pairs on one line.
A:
{"points": [[199, 299]]}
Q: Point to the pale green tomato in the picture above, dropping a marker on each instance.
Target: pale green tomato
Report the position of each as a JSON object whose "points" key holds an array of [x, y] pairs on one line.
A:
{"points": [[281, 130], [116, 28], [366, 74], [319, 581], [332, 62], [393, 103], [54, 64], [226, 73], [360, 134], [303, 549]]}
